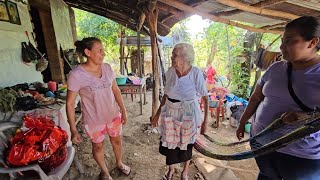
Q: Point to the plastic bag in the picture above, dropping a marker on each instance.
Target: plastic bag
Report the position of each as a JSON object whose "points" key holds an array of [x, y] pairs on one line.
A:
{"points": [[43, 144]]}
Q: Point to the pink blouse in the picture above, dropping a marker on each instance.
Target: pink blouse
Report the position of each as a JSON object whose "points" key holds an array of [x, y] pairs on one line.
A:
{"points": [[97, 99]]}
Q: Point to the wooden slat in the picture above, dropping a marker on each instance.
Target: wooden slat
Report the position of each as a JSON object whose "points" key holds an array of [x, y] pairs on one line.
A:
{"points": [[189, 9], [258, 10], [262, 4]]}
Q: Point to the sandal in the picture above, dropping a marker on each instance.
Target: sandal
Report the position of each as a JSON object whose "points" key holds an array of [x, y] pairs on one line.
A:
{"points": [[184, 177], [167, 177], [104, 176], [125, 169]]}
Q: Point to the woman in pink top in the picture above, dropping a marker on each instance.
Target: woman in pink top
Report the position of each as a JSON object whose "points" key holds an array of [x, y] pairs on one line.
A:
{"points": [[100, 103]]}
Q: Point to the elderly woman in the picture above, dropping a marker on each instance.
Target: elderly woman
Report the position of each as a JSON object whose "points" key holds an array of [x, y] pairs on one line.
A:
{"points": [[179, 112], [273, 98]]}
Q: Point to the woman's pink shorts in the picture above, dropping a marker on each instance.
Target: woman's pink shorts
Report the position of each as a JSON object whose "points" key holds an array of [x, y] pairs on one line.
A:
{"points": [[98, 132]]}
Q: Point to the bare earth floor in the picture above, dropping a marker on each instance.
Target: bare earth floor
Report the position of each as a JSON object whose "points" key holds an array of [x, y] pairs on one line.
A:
{"points": [[140, 149], [140, 152]]}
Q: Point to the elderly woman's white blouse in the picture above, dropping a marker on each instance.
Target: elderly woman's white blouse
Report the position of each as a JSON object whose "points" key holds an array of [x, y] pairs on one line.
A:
{"points": [[189, 87]]}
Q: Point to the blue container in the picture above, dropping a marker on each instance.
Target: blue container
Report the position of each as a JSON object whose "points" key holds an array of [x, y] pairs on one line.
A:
{"points": [[213, 103], [121, 80], [247, 127]]}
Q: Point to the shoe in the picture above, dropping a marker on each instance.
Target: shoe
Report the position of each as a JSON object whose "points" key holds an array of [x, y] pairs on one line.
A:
{"points": [[104, 176], [125, 169]]}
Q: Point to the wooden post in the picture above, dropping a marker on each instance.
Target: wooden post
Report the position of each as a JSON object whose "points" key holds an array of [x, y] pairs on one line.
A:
{"points": [[139, 54], [121, 51], [152, 17]]}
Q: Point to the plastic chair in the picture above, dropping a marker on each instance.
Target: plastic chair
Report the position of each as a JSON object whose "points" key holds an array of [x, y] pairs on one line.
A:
{"points": [[55, 174], [216, 103], [218, 110]]}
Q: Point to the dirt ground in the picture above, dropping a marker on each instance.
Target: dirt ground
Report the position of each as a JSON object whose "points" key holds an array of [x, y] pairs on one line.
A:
{"points": [[140, 152]]}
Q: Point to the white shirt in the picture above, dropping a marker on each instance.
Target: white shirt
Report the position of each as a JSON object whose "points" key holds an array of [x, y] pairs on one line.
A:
{"points": [[189, 87]]}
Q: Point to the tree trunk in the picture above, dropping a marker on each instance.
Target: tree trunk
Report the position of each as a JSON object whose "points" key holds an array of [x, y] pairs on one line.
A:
{"points": [[245, 66]]}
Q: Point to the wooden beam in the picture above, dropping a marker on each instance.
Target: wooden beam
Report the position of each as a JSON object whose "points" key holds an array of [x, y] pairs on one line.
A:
{"points": [[152, 18], [280, 25], [258, 10], [262, 4], [142, 18], [122, 34], [167, 8], [174, 13], [139, 54], [189, 9]]}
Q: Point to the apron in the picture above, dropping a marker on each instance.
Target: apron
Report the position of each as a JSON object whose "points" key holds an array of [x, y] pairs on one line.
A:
{"points": [[180, 124]]}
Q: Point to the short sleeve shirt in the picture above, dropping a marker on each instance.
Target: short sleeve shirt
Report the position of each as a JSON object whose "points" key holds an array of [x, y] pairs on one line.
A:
{"points": [[189, 87], [277, 100], [97, 98]]}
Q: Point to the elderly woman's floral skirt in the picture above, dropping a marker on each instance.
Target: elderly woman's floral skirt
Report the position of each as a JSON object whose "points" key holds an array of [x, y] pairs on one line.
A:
{"points": [[180, 125]]}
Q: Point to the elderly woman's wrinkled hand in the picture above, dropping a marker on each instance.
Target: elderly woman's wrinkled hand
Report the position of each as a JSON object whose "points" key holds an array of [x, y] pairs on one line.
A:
{"points": [[203, 128], [154, 120], [291, 117]]}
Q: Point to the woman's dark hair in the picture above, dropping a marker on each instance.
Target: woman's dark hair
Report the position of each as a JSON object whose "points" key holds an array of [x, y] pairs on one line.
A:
{"points": [[308, 27], [85, 43]]}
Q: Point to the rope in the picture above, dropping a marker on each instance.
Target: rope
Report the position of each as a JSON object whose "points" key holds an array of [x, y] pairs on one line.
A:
{"points": [[307, 125]]}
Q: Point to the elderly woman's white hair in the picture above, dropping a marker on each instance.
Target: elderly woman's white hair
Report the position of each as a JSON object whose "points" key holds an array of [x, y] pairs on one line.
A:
{"points": [[187, 51]]}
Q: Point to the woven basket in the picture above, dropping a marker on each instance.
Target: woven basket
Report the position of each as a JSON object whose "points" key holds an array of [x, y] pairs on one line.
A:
{"points": [[41, 65]]}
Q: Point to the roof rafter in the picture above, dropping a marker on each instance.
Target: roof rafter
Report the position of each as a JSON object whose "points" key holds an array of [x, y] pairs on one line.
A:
{"points": [[192, 10], [261, 4], [257, 10], [279, 25], [175, 12]]}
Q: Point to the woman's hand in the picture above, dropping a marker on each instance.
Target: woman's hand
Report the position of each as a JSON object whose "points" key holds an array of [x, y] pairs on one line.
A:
{"points": [[75, 137], [203, 128], [240, 131], [291, 117], [124, 118], [155, 120], [204, 125]]}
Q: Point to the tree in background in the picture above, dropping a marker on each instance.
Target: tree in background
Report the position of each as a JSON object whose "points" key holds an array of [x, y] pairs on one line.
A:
{"points": [[89, 24], [229, 49], [179, 32]]}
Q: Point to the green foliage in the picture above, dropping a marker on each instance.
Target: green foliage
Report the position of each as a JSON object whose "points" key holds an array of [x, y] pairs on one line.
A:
{"points": [[179, 32], [232, 46], [106, 30], [269, 38]]}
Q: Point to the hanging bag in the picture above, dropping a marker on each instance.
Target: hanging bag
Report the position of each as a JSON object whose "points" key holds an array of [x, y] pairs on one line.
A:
{"points": [[25, 54], [293, 94], [33, 52]]}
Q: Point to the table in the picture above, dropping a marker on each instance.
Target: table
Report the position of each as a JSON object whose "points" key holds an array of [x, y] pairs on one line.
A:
{"points": [[135, 89]]}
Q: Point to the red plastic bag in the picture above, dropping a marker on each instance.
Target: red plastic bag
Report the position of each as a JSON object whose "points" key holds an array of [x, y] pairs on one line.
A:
{"points": [[38, 144]]}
